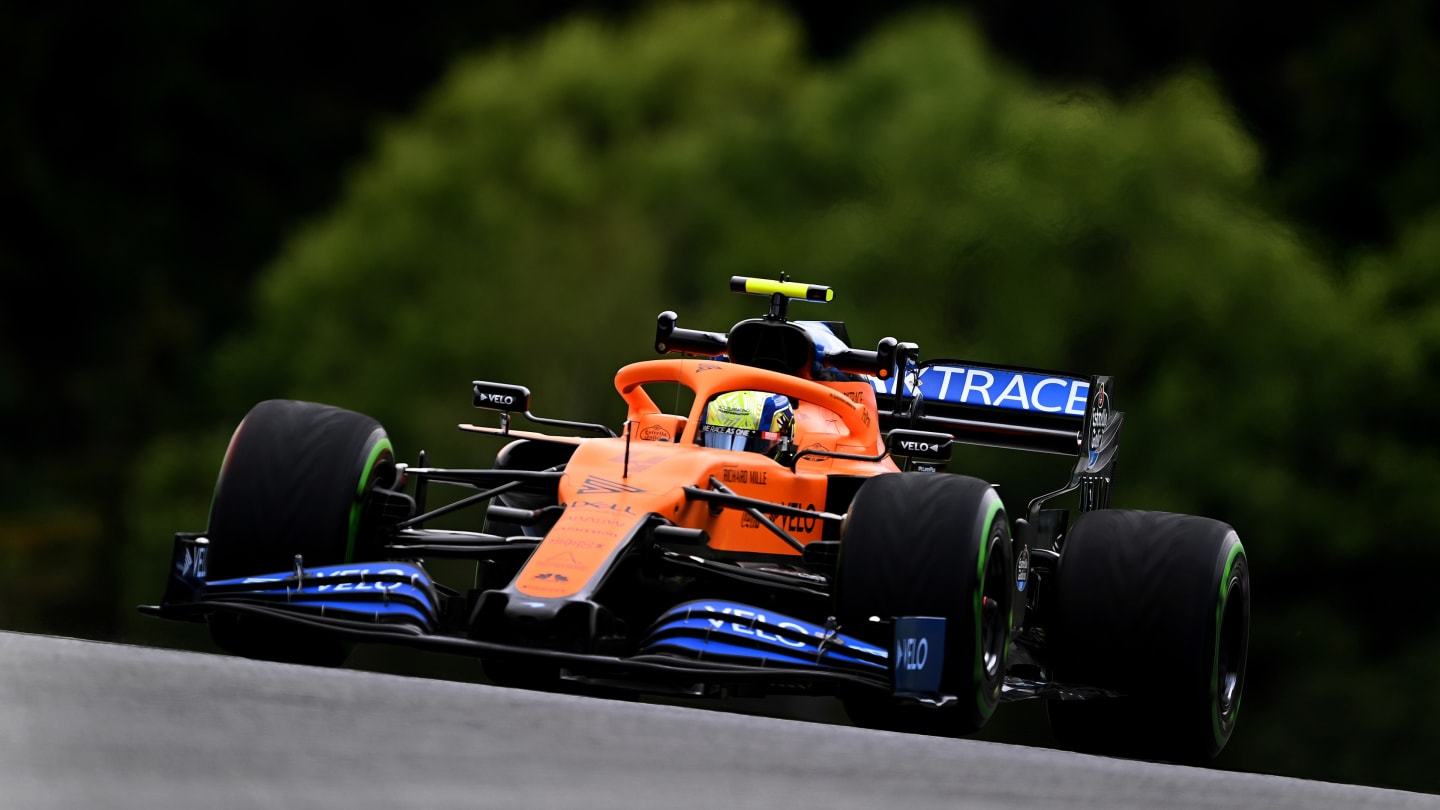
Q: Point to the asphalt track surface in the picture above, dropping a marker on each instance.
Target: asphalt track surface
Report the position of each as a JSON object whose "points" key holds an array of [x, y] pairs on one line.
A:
{"points": [[85, 724]]}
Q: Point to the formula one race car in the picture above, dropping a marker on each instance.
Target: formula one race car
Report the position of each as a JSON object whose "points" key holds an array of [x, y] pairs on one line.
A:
{"points": [[794, 531]]}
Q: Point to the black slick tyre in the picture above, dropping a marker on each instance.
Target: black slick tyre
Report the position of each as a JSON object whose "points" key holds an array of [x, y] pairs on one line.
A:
{"points": [[1156, 607], [293, 482], [928, 544]]}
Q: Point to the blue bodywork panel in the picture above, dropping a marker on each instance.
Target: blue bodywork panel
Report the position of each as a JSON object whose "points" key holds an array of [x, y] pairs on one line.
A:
{"points": [[385, 593], [919, 655], [736, 633]]}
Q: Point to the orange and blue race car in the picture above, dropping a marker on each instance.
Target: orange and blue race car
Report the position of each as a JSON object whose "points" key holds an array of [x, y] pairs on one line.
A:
{"points": [[795, 527]]}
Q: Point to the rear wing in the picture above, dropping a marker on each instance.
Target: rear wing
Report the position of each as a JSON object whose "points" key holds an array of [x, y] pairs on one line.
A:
{"points": [[1009, 407], [996, 406]]}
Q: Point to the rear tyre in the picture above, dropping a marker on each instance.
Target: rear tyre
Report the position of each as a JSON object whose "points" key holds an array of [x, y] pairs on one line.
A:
{"points": [[926, 544], [293, 483], [1155, 606]]}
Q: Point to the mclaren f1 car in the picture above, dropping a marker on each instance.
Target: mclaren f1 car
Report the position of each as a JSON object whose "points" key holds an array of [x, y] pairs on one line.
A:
{"points": [[796, 529]]}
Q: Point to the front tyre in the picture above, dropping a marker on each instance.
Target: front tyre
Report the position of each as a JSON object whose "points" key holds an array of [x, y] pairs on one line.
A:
{"points": [[927, 544], [293, 482], [1156, 607]]}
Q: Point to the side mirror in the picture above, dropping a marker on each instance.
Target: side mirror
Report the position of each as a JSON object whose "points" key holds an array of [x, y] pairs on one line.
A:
{"points": [[500, 397], [509, 399]]}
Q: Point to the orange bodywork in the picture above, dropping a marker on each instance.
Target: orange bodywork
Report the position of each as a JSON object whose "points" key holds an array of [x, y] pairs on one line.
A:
{"points": [[607, 496]]}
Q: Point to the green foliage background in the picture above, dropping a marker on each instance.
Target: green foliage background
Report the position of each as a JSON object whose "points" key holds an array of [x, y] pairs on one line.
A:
{"points": [[548, 199]]}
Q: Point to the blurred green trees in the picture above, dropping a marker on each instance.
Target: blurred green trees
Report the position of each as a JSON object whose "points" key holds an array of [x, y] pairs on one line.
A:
{"points": [[530, 219]]}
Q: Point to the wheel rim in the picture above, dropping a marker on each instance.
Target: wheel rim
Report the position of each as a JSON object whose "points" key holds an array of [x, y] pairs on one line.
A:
{"points": [[1233, 644], [993, 616]]}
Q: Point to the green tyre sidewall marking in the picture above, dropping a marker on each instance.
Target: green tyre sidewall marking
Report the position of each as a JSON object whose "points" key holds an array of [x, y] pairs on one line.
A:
{"points": [[1237, 550], [379, 450], [982, 701]]}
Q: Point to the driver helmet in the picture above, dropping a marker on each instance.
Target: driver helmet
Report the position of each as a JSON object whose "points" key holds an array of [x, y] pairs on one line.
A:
{"points": [[754, 421]]}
